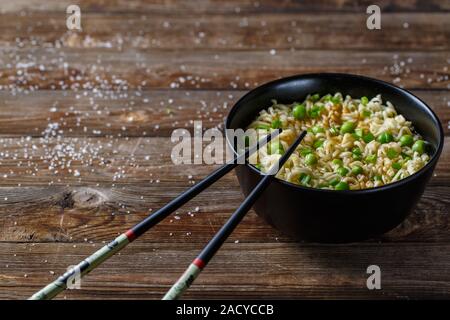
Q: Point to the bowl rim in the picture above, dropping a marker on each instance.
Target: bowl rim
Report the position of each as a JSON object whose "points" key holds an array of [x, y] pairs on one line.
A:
{"points": [[388, 186]]}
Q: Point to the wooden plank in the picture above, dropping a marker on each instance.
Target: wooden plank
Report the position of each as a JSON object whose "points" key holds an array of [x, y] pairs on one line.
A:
{"points": [[227, 6], [263, 31], [147, 113], [109, 161], [82, 214], [146, 271], [103, 69], [109, 189]]}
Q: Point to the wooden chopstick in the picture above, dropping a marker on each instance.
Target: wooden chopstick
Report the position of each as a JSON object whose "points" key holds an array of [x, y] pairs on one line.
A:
{"points": [[93, 261], [199, 263]]}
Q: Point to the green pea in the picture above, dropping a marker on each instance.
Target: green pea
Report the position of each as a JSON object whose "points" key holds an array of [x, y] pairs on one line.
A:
{"points": [[317, 129], [276, 124], [377, 178], [385, 137], [318, 143], [315, 111], [299, 111], [364, 101], [336, 100], [342, 171], [348, 127], [337, 162], [419, 146], [368, 137], [357, 170], [356, 153], [334, 182], [276, 148], [397, 165], [391, 153], [262, 127], [341, 186], [327, 98], [406, 140], [304, 179], [372, 158], [310, 159], [315, 97], [305, 151]]}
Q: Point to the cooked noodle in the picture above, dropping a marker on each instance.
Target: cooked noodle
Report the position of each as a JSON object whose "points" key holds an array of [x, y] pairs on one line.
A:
{"points": [[351, 143]]}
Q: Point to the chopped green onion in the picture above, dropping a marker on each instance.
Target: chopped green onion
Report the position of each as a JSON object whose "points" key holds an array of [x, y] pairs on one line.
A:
{"points": [[276, 124], [359, 132], [368, 137], [304, 179], [391, 153], [372, 158], [262, 127], [318, 143], [276, 148], [334, 182], [397, 165], [305, 151], [317, 129]]}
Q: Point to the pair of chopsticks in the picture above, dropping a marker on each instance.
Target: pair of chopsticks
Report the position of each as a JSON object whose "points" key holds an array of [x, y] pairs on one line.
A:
{"points": [[93, 261]]}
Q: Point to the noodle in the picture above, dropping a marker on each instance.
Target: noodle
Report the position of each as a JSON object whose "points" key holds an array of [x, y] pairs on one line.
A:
{"points": [[350, 144]]}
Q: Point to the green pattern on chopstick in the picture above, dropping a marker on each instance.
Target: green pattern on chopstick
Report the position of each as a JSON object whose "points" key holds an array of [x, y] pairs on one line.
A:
{"points": [[183, 283], [83, 268]]}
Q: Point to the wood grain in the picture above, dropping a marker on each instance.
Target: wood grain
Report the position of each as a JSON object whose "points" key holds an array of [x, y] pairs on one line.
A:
{"points": [[135, 113], [227, 6], [272, 271], [103, 68], [85, 121], [340, 31], [109, 161], [118, 187], [77, 214]]}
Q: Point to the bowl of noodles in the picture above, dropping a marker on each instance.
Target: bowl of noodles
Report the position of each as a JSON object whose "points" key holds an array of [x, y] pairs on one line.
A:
{"points": [[368, 154]]}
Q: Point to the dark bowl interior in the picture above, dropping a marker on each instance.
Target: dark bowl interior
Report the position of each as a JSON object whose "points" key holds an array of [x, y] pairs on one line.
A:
{"points": [[337, 216]]}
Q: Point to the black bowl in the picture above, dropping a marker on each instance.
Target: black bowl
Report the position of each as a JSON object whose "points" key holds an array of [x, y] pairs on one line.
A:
{"points": [[327, 215]]}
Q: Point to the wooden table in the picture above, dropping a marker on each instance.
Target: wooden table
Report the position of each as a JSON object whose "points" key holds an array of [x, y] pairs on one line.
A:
{"points": [[85, 121]]}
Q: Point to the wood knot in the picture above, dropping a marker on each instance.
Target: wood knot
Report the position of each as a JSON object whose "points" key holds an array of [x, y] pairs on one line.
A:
{"points": [[88, 198]]}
